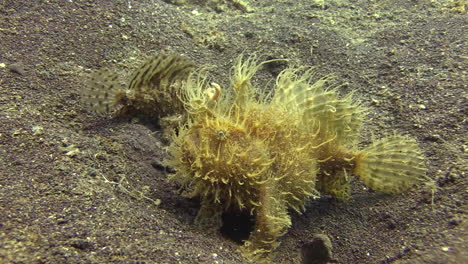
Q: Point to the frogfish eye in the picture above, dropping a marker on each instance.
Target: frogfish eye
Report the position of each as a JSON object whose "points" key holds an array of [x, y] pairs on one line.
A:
{"points": [[221, 135]]}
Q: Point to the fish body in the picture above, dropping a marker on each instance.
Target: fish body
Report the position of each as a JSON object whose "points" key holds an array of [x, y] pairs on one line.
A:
{"points": [[268, 153], [150, 90], [264, 153]]}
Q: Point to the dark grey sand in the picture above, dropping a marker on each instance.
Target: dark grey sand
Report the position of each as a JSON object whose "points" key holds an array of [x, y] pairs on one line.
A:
{"points": [[76, 187]]}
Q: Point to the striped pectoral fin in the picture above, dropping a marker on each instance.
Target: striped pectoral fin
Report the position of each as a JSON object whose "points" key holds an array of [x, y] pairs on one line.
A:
{"points": [[337, 185], [103, 91], [391, 165], [271, 222], [209, 214]]}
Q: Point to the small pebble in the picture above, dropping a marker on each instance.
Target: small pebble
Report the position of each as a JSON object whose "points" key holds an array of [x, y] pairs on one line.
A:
{"points": [[317, 251], [37, 130], [16, 68], [446, 249]]}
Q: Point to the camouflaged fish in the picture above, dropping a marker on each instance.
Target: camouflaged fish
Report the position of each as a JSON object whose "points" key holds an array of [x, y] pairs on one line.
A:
{"points": [[266, 153], [151, 89], [261, 152]]}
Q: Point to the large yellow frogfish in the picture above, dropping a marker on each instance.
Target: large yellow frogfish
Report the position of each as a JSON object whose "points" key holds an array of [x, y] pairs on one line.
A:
{"points": [[264, 152]]}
